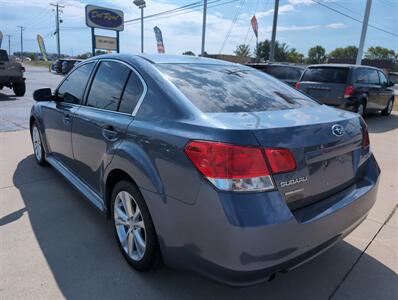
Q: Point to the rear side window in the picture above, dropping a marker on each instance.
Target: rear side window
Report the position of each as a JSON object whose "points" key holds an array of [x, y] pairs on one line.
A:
{"points": [[72, 88], [132, 94], [232, 88], [373, 77], [326, 74], [284, 73], [361, 76], [108, 85]]}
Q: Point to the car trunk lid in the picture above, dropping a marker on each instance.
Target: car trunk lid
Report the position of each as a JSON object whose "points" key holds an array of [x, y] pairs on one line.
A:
{"points": [[327, 159]]}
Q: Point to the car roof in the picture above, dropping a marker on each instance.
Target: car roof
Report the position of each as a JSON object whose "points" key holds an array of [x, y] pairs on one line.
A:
{"points": [[342, 66], [165, 59]]}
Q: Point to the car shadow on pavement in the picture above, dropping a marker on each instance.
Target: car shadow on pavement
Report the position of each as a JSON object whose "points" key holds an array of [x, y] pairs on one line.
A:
{"points": [[78, 245], [378, 123], [6, 97]]}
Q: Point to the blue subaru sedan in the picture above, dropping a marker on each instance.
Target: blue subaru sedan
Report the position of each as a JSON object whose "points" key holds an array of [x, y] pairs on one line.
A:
{"points": [[206, 165]]}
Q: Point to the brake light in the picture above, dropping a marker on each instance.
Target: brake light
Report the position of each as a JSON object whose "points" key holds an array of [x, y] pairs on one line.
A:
{"points": [[297, 85], [238, 168], [365, 137], [280, 160], [349, 91]]}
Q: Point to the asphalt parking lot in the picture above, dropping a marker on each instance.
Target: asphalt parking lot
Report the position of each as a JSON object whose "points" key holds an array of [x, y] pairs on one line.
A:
{"points": [[54, 245]]}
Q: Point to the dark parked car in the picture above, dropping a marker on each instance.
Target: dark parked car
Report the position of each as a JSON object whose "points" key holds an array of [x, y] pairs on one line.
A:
{"points": [[212, 166], [68, 65], [57, 66], [288, 73], [353, 87]]}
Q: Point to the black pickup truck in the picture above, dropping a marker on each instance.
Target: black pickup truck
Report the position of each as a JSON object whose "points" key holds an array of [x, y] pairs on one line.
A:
{"points": [[11, 74]]}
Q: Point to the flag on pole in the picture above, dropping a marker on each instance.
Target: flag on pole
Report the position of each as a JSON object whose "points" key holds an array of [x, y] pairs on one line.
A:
{"points": [[254, 25], [159, 39], [1, 38], [40, 41]]}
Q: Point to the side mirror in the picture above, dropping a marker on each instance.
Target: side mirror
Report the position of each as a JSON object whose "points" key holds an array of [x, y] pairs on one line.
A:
{"points": [[391, 83], [43, 94]]}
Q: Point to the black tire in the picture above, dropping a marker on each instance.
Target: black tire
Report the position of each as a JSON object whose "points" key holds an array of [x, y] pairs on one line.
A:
{"points": [[151, 253], [361, 108], [19, 88], [38, 152], [387, 111]]}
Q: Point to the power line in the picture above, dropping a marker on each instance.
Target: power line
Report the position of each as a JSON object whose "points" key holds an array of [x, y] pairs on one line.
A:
{"points": [[234, 20], [180, 10], [352, 18]]}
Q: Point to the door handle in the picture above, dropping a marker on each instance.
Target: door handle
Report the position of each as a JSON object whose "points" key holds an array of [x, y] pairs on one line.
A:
{"points": [[109, 133], [67, 119]]}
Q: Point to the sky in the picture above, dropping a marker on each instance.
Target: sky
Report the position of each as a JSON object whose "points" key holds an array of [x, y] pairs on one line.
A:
{"points": [[301, 24]]}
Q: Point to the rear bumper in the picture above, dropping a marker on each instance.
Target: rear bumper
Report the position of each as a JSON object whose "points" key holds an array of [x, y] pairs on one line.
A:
{"points": [[243, 240]]}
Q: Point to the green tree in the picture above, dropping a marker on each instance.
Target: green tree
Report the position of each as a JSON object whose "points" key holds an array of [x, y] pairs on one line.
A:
{"points": [[295, 57], [189, 52], [99, 52], [349, 52], [381, 53], [242, 50], [281, 51], [316, 55]]}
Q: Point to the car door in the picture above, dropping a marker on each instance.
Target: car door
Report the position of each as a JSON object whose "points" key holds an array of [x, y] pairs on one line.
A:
{"points": [[100, 125], [385, 91], [58, 115], [374, 102]]}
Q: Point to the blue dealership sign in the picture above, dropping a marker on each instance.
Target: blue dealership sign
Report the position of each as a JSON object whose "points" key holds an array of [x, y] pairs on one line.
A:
{"points": [[105, 18]]}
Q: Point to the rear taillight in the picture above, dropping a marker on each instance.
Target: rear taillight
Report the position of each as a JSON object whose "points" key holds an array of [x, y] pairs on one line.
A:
{"points": [[365, 137], [238, 168], [349, 91], [280, 160], [297, 85]]}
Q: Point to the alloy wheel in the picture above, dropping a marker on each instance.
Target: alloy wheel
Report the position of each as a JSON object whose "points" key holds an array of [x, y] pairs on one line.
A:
{"points": [[37, 147], [130, 225]]}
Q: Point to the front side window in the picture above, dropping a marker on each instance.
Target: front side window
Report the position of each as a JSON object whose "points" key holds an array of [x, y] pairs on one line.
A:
{"points": [[232, 88], [383, 79], [107, 86], [72, 88]]}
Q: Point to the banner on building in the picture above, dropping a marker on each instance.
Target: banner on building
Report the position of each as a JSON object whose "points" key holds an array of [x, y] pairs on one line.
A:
{"points": [[159, 39], [1, 38], [40, 41], [255, 26]]}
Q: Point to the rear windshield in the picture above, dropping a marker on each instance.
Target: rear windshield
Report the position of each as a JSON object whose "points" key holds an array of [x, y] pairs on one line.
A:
{"points": [[224, 88], [284, 73], [3, 55], [326, 74]]}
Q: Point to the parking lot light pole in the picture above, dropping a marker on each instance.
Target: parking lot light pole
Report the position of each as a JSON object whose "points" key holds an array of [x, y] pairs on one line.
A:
{"points": [[141, 5], [363, 33]]}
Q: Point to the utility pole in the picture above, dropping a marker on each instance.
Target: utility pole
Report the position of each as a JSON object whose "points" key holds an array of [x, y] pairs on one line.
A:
{"points": [[204, 27], [363, 33], [273, 37], [9, 44], [57, 21], [22, 29], [141, 5]]}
